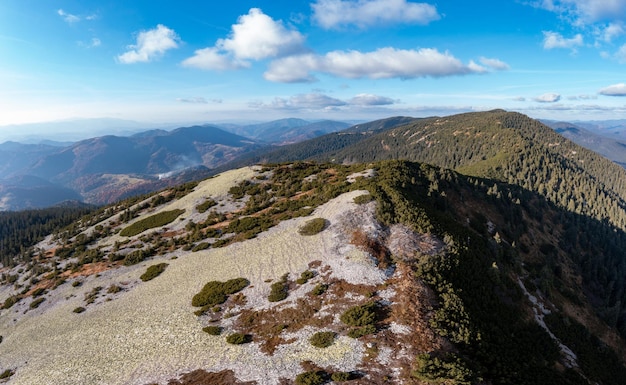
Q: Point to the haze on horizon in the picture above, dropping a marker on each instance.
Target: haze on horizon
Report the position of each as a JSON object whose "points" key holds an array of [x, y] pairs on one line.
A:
{"points": [[162, 62]]}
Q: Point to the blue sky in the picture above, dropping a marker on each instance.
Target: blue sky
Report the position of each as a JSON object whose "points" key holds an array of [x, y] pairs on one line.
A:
{"points": [[206, 61]]}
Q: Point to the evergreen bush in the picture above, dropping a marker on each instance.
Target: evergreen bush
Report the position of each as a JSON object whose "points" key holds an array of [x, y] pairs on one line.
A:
{"points": [[153, 271], [313, 226], [216, 292], [238, 339], [322, 339], [156, 220], [310, 378], [212, 330]]}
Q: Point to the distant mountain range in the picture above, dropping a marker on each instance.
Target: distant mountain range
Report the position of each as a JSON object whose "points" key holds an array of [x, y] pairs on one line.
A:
{"points": [[609, 142], [286, 131], [104, 169], [107, 168]]}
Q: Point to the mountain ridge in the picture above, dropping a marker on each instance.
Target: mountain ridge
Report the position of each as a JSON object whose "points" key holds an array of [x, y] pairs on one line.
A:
{"points": [[473, 280]]}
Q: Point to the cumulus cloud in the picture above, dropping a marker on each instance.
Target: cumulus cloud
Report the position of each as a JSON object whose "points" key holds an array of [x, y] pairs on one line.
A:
{"points": [[371, 100], [383, 63], [331, 14], [150, 45], [211, 59], [553, 40], [256, 36], [318, 101], [618, 89], [548, 98], [310, 101]]}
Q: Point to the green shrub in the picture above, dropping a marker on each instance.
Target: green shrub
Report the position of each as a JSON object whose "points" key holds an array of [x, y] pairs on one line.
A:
{"points": [[156, 220], [304, 277], [35, 304], [39, 292], [450, 370], [340, 376], [9, 302], [92, 295], [322, 339], [361, 331], [362, 199], [135, 257], [114, 257], [313, 226], [114, 289], [252, 225], [310, 378], [319, 289], [201, 246], [212, 330], [79, 310], [216, 292], [279, 290], [362, 315], [204, 206], [153, 271], [6, 374], [238, 339]]}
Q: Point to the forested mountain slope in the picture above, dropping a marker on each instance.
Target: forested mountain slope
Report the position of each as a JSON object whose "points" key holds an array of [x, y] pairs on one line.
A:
{"points": [[324, 146], [389, 272]]}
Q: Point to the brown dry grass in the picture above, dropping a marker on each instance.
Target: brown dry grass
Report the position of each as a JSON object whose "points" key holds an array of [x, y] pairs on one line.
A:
{"points": [[372, 246], [201, 377]]}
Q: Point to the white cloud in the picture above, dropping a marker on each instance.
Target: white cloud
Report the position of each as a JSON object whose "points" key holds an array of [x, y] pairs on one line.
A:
{"points": [[611, 31], [68, 17], [212, 59], [71, 18], [553, 40], [93, 43], [196, 100], [496, 64], [383, 63], [256, 36], [581, 12], [621, 54], [618, 89], [294, 69], [582, 97], [311, 101], [519, 99], [364, 13], [589, 11], [151, 44], [371, 100], [548, 98]]}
